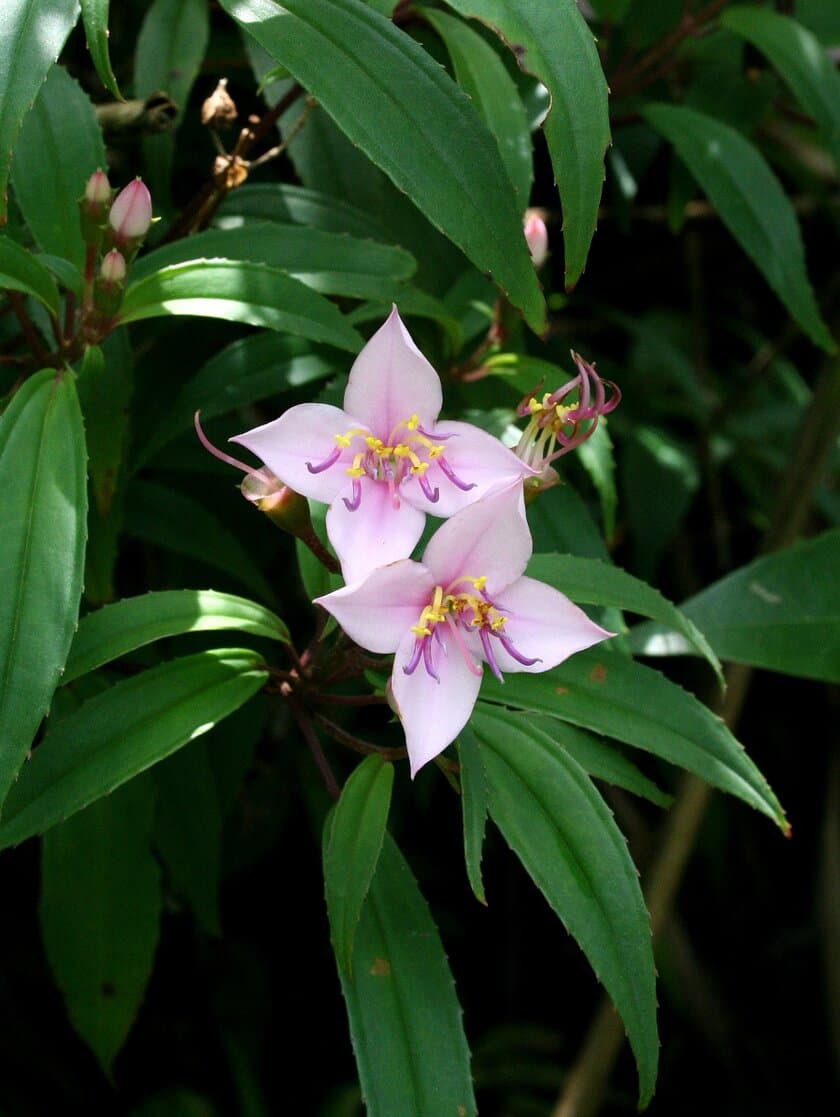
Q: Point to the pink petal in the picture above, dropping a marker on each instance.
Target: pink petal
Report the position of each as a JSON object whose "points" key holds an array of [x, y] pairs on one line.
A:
{"points": [[391, 380], [477, 458], [375, 534], [379, 611], [543, 624], [489, 539], [432, 713], [305, 434]]}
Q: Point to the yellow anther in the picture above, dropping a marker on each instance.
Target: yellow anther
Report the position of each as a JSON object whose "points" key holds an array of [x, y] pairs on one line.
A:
{"points": [[345, 439], [534, 406], [412, 424], [355, 471], [421, 467], [374, 443], [421, 630], [481, 582], [435, 452]]}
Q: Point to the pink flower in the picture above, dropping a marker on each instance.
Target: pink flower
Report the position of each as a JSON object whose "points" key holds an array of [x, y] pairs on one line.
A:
{"points": [[383, 461], [131, 213], [465, 602]]}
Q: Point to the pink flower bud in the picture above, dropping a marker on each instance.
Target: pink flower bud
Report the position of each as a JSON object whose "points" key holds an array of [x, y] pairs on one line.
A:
{"points": [[131, 213], [536, 235], [112, 269], [98, 189]]}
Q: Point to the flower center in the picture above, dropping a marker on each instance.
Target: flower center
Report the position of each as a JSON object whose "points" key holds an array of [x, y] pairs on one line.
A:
{"points": [[407, 453], [461, 609]]}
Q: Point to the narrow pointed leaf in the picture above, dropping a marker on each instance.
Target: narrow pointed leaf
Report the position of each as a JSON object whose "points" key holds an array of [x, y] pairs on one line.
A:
{"points": [[355, 831], [134, 622], [42, 549], [95, 19], [801, 61], [105, 386], [240, 291], [290, 204], [553, 42], [21, 271], [610, 694], [405, 1020], [33, 34], [751, 203], [473, 807], [100, 914], [395, 102], [123, 731], [560, 828]]}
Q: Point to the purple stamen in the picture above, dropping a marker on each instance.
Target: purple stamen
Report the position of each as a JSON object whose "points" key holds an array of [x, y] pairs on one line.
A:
{"points": [[490, 601], [248, 470], [448, 471], [326, 463], [484, 636], [511, 651], [352, 504], [411, 666], [615, 398], [433, 437], [427, 660], [462, 647], [432, 495]]}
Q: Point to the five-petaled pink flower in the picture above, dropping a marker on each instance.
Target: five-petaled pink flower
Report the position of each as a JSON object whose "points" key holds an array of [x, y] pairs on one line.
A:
{"points": [[383, 461], [465, 602]]}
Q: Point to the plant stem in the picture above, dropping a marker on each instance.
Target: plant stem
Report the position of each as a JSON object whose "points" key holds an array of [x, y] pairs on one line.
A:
{"points": [[305, 726], [29, 332]]}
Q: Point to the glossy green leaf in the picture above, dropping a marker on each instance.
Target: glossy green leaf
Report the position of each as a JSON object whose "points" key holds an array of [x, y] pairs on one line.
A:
{"points": [[174, 521], [332, 263], [105, 388], [21, 271], [429, 140], [42, 550], [240, 291], [473, 807], [32, 38], [95, 19], [132, 623], [553, 42], [60, 146], [353, 843], [100, 914], [800, 60], [591, 582], [610, 694], [123, 731], [483, 77], [297, 205], [405, 1020], [560, 828], [781, 612], [66, 274], [751, 203], [596, 457]]}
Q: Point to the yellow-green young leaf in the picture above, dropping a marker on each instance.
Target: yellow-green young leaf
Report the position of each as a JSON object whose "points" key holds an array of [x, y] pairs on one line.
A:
{"points": [[801, 61], [42, 549], [60, 146], [33, 34], [123, 731], [565, 835], [553, 42], [100, 913], [428, 139], [355, 830], [134, 622], [751, 203], [240, 291], [95, 19], [473, 807], [405, 1020], [21, 271]]}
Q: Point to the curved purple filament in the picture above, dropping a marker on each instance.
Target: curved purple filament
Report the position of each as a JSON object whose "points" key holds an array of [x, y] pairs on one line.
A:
{"points": [[453, 477], [511, 651], [331, 459], [353, 503]]}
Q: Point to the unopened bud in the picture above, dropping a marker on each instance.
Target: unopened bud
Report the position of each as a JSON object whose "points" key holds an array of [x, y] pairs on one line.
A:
{"points": [[283, 506], [112, 269], [536, 234], [93, 207], [108, 287], [131, 214], [98, 189]]}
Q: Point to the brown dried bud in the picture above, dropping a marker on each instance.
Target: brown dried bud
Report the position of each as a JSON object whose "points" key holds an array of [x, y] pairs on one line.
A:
{"points": [[219, 110]]}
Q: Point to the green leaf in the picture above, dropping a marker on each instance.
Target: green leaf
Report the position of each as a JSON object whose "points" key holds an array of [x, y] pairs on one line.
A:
{"points": [[353, 842], [33, 35], [171, 520], [100, 914], [473, 807], [427, 137], [483, 77], [60, 146], [405, 1020], [69, 276], [751, 203], [800, 60], [106, 385], [42, 550], [132, 623], [123, 731], [95, 19], [610, 694], [565, 836], [332, 263], [553, 42], [781, 612], [241, 292], [591, 582], [596, 457], [21, 271], [297, 205]]}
